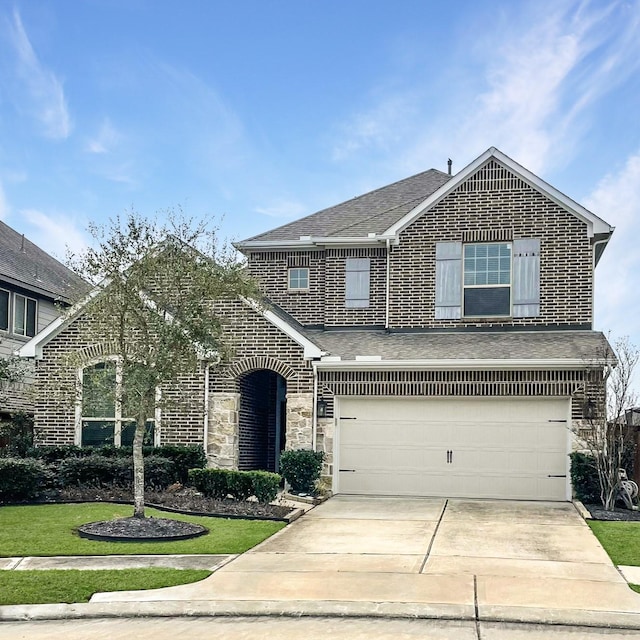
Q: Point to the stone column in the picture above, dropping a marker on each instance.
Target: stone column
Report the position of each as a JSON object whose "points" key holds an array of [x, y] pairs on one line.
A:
{"points": [[299, 421], [222, 441], [324, 443]]}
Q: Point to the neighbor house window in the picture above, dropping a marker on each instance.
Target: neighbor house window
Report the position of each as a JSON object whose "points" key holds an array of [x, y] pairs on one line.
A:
{"points": [[357, 282], [299, 278], [25, 312], [103, 416], [4, 310], [487, 280]]}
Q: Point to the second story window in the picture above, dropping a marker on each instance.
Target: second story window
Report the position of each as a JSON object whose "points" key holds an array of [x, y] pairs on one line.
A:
{"points": [[4, 310], [357, 282], [24, 316], [299, 279], [487, 280]]}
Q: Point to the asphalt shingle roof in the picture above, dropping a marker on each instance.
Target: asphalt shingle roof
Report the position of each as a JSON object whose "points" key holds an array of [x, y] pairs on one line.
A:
{"points": [[587, 346], [25, 264], [373, 212]]}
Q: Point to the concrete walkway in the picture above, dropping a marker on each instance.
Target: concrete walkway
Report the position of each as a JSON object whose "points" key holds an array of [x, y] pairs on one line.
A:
{"points": [[390, 557]]}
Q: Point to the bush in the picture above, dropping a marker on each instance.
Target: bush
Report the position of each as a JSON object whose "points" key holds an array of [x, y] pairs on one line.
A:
{"points": [[16, 436], [210, 482], [301, 469], [95, 471], [159, 472], [220, 483], [584, 478], [184, 458], [54, 453], [265, 485], [22, 479]]}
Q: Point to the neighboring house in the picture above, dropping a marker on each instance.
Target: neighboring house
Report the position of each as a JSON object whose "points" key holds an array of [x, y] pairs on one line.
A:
{"points": [[33, 288], [432, 337]]}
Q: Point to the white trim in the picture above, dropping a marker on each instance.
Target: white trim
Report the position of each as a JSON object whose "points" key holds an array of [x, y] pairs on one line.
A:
{"points": [[207, 367], [569, 449], [311, 350], [465, 364], [314, 242], [595, 225]]}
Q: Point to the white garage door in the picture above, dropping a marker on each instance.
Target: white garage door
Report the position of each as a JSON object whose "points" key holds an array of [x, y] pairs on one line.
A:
{"points": [[463, 447]]}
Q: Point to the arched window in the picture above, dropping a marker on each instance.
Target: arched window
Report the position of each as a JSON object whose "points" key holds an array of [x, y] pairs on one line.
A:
{"points": [[103, 418]]}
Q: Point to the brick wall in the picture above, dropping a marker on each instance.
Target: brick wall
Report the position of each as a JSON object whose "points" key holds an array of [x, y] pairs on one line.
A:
{"points": [[511, 207]]}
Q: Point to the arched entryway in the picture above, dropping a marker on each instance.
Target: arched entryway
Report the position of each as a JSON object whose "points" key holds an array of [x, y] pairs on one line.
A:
{"points": [[261, 420]]}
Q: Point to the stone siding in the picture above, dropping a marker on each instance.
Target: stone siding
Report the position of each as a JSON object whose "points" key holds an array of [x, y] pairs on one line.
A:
{"points": [[299, 420]]}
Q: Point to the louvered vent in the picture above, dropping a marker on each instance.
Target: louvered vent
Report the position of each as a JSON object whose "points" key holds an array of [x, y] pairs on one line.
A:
{"points": [[492, 177]]}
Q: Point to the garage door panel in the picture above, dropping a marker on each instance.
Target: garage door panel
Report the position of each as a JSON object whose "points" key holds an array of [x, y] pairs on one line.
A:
{"points": [[500, 447]]}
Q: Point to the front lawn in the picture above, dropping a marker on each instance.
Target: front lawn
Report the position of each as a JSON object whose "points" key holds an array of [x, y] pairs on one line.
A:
{"points": [[42, 587], [621, 540], [48, 530]]}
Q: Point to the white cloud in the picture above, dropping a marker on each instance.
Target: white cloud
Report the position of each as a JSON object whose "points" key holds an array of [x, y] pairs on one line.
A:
{"points": [[54, 234], [105, 140], [283, 209], [45, 92], [536, 70], [617, 199]]}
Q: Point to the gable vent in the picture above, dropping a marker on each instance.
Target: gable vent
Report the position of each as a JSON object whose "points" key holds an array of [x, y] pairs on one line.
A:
{"points": [[487, 235], [492, 177]]}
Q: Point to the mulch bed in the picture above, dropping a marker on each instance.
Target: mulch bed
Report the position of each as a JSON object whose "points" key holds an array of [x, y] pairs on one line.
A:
{"points": [[617, 515], [178, 499], [141, 529]]}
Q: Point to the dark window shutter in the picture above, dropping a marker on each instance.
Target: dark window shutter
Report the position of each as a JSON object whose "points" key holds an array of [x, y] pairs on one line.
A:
{"points": [[526, 278], [448, 280]]}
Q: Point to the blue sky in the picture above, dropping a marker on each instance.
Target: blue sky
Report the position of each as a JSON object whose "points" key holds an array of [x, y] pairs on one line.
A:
{"points": [[262, 111]]}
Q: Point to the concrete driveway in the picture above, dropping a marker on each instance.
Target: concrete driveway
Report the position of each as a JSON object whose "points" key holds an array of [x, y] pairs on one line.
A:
{"points": [[446, 558]]}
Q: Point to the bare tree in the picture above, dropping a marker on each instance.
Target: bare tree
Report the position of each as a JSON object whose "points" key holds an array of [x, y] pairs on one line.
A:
{"points": [[607, 434], [154, 308]]}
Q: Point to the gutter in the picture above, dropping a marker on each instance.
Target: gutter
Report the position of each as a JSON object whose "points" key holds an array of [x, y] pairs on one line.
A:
{"points": [[312, 242], [387, 301], [314, 419], [460, 364], [207, 368]]}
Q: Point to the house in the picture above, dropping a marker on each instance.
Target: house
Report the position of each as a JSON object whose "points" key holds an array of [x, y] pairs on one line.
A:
{"points": [[433, 337], [33, 288]]}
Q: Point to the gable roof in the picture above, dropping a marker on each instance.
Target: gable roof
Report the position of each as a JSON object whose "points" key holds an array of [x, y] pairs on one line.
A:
{"points": [[24, 264], [383, 213], [372, 212], [595, 225]]}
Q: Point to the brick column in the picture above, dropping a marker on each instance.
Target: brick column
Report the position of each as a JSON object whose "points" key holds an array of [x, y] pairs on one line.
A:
{"points": [[222, 441]]}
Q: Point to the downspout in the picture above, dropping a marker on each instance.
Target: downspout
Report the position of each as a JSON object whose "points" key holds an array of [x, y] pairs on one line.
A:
{"points": [[386, 313], [207, 366], [314, 422]]}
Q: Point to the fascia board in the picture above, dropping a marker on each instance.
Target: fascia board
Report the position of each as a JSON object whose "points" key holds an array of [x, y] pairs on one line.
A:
{"points": [[314, 242], [311, 350], [466, 364], [594, 224], [33, 348]]}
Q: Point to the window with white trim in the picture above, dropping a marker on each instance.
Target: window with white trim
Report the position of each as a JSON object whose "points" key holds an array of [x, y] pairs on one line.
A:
{"points": [[298, 278], [25, 314], [4, 310], [103, 416], [487, 280]]}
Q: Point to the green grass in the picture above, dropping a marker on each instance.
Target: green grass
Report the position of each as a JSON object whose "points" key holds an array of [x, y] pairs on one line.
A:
{"points": [[41, 587], [621, 540], [48, 530]]}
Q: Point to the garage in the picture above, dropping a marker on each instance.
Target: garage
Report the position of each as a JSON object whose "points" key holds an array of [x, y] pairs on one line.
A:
{"points": [[511, 448]]}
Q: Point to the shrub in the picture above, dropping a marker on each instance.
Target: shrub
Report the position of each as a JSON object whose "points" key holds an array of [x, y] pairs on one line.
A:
{"points": [[22, 479], [16, 436], [265, 485], [54, 453], [159, 472], [94, 470], [184, 458], [210, 482], [301, 469], [239, 484], [584, 477]]}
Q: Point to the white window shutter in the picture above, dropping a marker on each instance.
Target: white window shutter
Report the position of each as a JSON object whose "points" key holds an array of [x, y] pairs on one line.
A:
{"points": [[448, 280], [526, 278], [357, 282]]}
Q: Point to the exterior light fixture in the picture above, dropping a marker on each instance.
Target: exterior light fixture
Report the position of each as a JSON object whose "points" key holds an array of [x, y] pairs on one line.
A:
{"points": [[589, 409], [321, 408]]}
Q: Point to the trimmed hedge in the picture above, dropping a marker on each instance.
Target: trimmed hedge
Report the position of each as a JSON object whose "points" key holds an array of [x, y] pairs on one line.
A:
{"points": [[22, 479], [220, 483], [100, 471], [183, 458], [301, 468]]}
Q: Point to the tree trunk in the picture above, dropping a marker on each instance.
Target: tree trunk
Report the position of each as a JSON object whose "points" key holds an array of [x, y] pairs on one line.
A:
{"points": [[138, 467]]}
